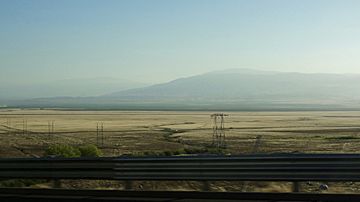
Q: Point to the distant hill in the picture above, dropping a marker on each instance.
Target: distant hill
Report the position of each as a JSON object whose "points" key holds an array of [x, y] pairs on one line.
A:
{"points": [[245, 84], [234, 89]]}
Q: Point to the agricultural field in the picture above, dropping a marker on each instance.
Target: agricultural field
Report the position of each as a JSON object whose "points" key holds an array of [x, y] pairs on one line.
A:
{"points": [[27, 133]]}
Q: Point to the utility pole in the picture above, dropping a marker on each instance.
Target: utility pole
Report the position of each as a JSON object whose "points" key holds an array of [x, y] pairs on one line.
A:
{"points": [[24, 127], [102, 134], [51, 128], [8, 123], [97, 134], [219, 140]]}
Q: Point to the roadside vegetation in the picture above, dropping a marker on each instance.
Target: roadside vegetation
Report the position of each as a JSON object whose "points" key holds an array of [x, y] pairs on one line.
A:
{"points": [[67, 151], [57, 150]]}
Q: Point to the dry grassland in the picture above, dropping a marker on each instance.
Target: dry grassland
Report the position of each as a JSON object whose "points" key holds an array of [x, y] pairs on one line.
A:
{"points": [[130, 132]]}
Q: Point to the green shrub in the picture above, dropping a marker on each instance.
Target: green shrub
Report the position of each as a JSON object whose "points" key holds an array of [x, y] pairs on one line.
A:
{"points": [[179, 152], [67, 151], [195, 150], [90, 151], [150, 153], [204, 151], [61, 150], [187, 151], [168, 153]]}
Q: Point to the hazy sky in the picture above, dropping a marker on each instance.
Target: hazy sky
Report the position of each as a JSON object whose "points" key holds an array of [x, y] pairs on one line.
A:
{"points": [[154, 41]]}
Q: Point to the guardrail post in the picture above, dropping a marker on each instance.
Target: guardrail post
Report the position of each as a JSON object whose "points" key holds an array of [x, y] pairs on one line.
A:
{"points": [[206, 186], [296, 187], [57, 184], [128, 185]]}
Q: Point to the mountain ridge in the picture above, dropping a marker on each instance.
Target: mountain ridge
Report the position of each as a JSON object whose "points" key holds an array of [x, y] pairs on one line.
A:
{"points": [[245, 83], [230, 89]]}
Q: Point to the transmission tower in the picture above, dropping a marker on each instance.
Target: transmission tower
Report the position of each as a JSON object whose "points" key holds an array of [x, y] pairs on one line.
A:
{"points": [[8, 123], [51, 128], [218, 130], [97, 134], [100, 134], [25, 131]]}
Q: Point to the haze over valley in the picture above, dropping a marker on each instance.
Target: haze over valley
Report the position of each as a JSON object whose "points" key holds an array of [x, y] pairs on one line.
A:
{"points": [[232, 89], [65, 88]]}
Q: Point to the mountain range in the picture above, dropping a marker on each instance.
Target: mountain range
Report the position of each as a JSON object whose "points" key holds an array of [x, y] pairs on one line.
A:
{"points": [[233, 89]]}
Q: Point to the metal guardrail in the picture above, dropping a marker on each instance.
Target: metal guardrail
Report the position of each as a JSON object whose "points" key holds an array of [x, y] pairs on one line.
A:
{"points": [[62, 195], [281, 167]]}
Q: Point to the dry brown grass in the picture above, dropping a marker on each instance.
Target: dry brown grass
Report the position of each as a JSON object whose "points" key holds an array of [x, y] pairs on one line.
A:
{"points": [[128, 132]]}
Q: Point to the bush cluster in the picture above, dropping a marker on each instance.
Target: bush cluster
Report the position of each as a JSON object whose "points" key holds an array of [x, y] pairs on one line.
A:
{"points": [[90, 151], [67, 151]]}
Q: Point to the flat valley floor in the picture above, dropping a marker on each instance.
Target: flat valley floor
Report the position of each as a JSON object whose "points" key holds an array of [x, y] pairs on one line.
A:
{"points": [[27, 133]]}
